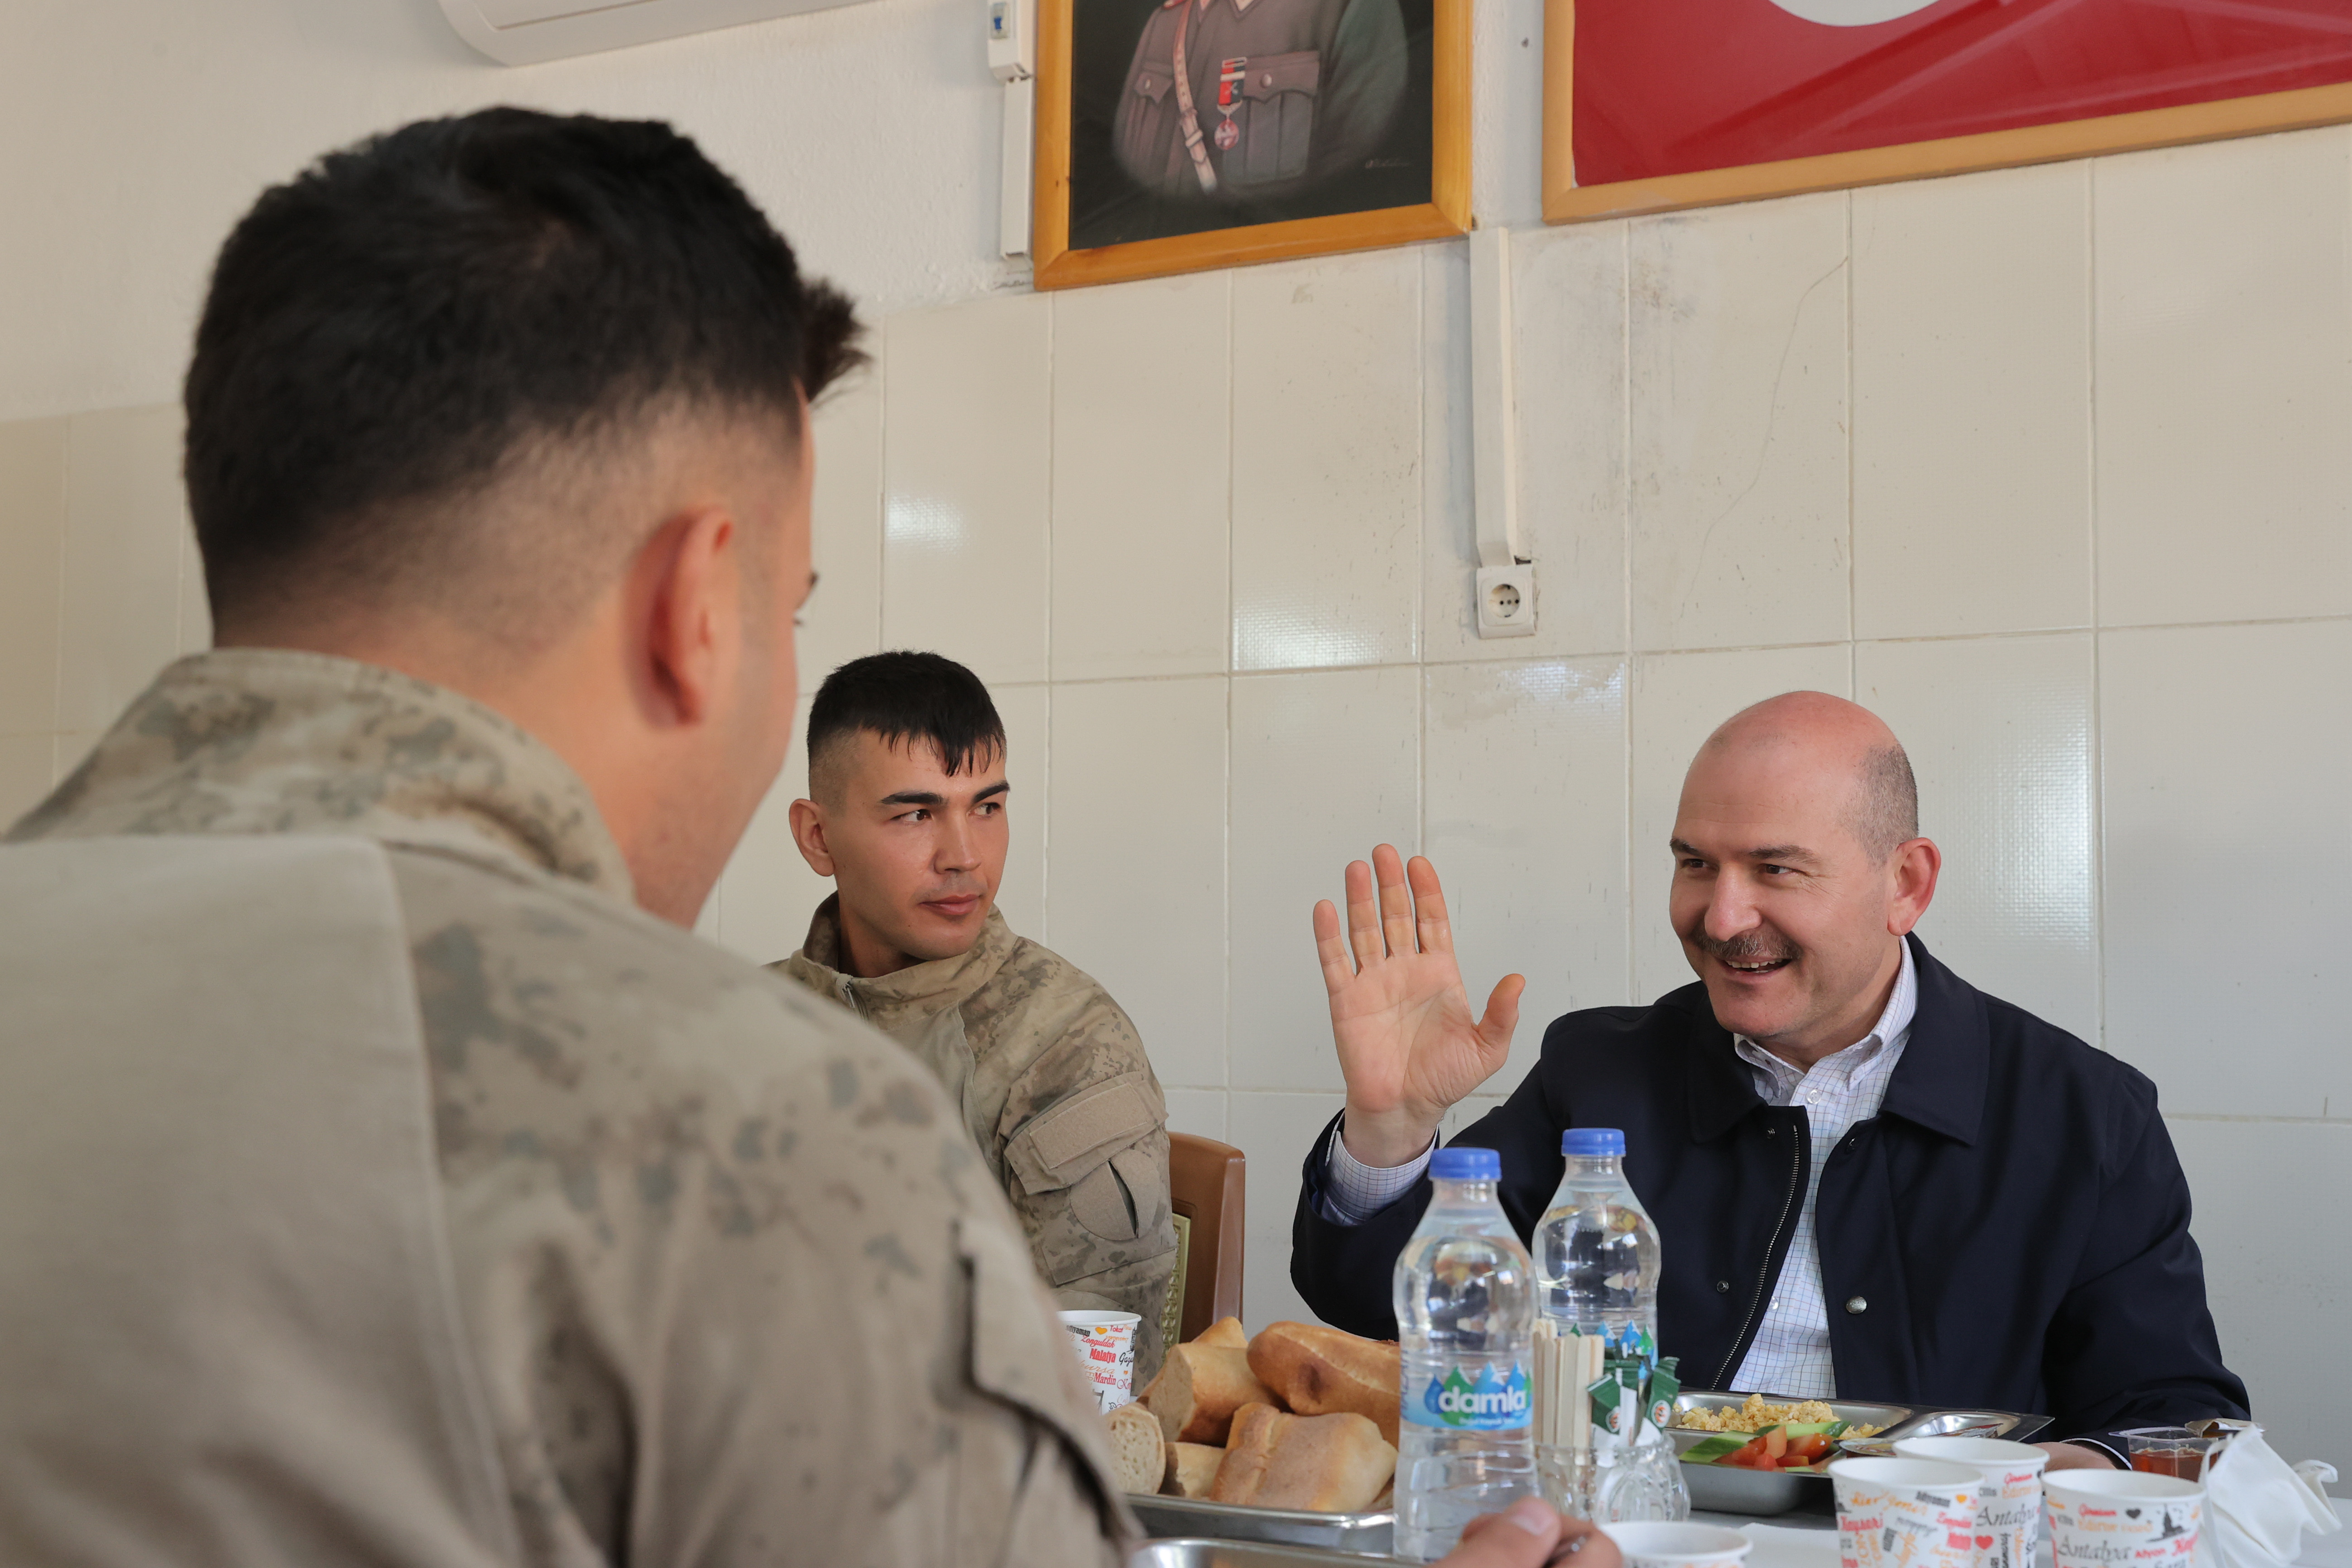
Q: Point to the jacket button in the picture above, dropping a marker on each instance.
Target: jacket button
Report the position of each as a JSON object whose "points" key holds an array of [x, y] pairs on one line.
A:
{"points": [[1856, 1305], [1723, 1286], [1771, 1132]]}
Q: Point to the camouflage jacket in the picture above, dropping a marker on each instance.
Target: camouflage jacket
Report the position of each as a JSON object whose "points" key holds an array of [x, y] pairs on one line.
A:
{"points": [[737, 1289], [1057, 1095]]}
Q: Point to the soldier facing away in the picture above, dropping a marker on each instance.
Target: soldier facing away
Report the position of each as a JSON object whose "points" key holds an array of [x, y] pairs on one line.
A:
{"points": [[908, 816], [385, 1173]]}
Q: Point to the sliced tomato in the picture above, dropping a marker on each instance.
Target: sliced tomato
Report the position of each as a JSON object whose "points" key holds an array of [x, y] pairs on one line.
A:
{"points": [[1809, 1447], [1776, 1442]]}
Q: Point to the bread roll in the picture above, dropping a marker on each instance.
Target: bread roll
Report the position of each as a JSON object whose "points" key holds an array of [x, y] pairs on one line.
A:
{"points": [[1316, 1371], [1191, 1470], [1331, 1463], [1198, 1391], [1225, 1333], [1138, 1452]]}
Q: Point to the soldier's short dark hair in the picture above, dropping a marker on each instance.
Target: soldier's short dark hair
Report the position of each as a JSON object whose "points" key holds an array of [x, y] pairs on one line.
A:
{"points": [[396, 327], [912, 698]]}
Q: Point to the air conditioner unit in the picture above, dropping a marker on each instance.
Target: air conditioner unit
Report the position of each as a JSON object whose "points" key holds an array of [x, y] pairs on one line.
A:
{"points": [[525, 32]]}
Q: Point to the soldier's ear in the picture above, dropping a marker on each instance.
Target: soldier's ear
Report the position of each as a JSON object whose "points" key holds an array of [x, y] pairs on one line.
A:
{"points": [[808, 834]]}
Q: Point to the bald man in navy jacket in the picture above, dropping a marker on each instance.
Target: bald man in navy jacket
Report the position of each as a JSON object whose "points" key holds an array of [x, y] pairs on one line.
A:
{"points": [[1872, 1180]]}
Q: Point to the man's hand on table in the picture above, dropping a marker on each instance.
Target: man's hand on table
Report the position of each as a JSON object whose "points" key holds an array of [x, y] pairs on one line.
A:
{"points": [[2076, 1457], [1527, 1535], [1409, 1047]]}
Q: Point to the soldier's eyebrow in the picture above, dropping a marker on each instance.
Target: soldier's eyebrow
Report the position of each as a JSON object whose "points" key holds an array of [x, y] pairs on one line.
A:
{"points": [[999, 788], [914, 797]]}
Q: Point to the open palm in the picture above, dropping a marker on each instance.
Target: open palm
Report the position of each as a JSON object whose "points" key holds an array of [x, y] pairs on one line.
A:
{"points": [[1408, 1046]]}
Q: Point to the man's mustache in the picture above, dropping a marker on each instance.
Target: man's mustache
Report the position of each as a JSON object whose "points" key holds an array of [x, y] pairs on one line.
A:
{"points": [[1748, 947]]}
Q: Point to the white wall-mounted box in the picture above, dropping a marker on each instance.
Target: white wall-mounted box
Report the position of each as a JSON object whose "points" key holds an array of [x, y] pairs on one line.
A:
{"points": [[525, 32]]}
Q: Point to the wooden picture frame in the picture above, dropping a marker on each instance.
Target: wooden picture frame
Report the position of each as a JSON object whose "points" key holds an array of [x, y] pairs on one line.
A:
{"points": [[1564, 201], [1445, 213]]}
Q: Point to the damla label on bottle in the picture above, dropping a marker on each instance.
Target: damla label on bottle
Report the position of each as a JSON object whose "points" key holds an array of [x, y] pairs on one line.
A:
{"points": [[1487, 1399]]}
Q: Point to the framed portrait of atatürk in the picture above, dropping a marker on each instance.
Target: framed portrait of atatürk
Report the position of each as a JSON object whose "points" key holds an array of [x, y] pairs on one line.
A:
{"points": [[1654, 104], [1175, 135]]}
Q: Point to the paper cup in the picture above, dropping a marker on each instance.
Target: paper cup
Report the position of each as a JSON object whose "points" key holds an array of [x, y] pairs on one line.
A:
{"points": [[1655, 1543], [2009, 1514], [1906, 1513], [1106, 1343], [2122, 1518]]}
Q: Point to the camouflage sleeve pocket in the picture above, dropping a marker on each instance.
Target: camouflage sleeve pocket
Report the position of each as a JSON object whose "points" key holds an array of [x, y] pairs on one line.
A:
{"points": [[1077, 1135]]}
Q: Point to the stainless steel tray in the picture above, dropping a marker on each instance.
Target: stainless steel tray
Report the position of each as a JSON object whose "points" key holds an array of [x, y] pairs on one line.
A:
{"points": [[1358, 1534], [1195, 1552], [1722, 1489]]}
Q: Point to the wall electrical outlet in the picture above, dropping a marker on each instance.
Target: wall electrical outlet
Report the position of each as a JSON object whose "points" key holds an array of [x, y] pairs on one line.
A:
{"points": [[1507, 601]]}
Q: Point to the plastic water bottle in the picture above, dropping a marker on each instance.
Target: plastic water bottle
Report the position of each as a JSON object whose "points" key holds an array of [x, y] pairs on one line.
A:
{"points": [[1465, 1310], [1597, 1262]]}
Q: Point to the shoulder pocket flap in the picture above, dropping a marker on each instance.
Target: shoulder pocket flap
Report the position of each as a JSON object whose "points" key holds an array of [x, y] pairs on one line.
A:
{"points": [[1153, 82], [1071, 1137], [1270, 74]]}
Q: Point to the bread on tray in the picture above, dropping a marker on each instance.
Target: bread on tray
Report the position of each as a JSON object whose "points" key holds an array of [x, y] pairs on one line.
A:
{"points": [[1331, 1463], [1191, 1470], [1138, 1454], [1302, 1417], [1200, 1388], [1316, 1371]]}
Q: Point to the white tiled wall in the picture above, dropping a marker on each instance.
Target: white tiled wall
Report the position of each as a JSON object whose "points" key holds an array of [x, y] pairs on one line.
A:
{"points": [[2049, 467]]}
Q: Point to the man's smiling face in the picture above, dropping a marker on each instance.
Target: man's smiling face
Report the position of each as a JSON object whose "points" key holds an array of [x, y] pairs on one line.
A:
{"points": [[1792, 922]]}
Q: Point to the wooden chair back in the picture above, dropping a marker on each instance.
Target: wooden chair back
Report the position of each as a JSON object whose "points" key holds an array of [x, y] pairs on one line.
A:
{"points": [[1205, 1180]]}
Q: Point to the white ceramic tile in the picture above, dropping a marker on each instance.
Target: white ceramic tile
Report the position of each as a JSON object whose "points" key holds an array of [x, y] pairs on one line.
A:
{"points": [[767, 892], [1737, 351], [32, 533], [1526, 823], [1275, 1131], [2278, 1270], [1326, 461], [966, 449], [2227, 756], [1678, 700], [1972, 403], [1567, 307], [120, 609], [843, 617], [1325, 766], [196, 612], [1998, 732], [1200, 1112], [1026, 711], [1142, 416], [2225, 381], [1135, 865], [24, 765]]}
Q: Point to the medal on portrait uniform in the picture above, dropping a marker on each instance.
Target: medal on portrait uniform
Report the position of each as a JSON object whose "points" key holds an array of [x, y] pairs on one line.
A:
{"points": [[1230, 74]]}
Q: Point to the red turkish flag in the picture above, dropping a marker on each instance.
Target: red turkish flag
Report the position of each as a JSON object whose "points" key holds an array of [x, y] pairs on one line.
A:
{"points": [[1665, 87]]}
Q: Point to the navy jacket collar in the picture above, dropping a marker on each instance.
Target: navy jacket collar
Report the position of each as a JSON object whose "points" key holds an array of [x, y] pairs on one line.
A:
{"points": [[1940, 1084]]}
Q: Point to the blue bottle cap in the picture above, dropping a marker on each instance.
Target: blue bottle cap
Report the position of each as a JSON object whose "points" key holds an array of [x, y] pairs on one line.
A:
{"points": [[1591, 1142], [1467, 1164]]}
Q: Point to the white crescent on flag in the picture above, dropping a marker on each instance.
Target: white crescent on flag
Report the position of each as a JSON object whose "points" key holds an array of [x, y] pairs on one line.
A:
{"points": [[1851, 13]]}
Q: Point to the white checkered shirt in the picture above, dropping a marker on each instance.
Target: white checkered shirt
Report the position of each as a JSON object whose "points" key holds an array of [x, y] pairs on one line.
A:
{"points": [[1790, 1353]]}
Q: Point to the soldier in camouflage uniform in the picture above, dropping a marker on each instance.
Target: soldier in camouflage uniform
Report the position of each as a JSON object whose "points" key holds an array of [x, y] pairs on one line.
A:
{"points": [[908, 758], [681, 1265]]}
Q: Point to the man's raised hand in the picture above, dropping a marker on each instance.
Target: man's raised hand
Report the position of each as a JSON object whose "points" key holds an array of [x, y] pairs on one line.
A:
{"points": [[1409, 1048]]}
